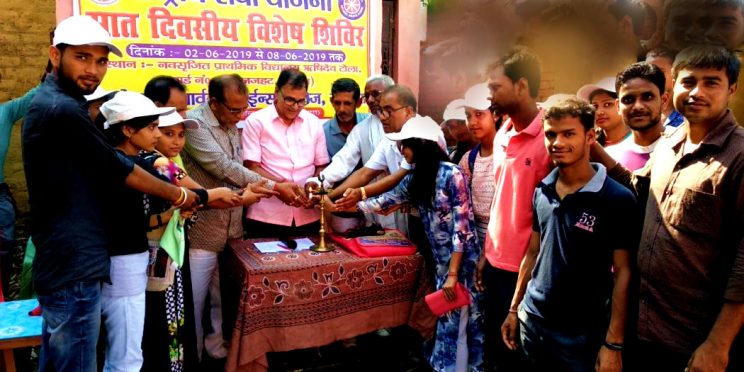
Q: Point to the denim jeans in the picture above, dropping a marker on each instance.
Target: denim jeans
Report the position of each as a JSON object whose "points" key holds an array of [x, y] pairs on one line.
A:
{"points": [[549, 349], [71, 321]]}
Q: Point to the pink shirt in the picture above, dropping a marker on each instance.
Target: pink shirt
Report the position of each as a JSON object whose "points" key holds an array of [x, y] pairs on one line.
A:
{"points": [[289, 153], [520, 162]]}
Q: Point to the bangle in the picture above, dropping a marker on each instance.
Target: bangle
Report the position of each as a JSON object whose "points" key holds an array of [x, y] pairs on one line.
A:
{"points": [[185, 198], [512, 311], [452, 273], [364, 193], [613, 347], [181, 196]]}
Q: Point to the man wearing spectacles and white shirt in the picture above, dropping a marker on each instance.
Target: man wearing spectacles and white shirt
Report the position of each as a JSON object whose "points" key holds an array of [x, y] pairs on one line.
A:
{"points": [[360, 145], [285, 143]]}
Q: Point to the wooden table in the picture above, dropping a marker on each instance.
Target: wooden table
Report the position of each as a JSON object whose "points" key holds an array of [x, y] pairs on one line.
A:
{"points": [[18, 329], [297, 300]]}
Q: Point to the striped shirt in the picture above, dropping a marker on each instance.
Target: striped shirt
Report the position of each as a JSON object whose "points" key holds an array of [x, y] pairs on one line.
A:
{"points": [[213, 158], [482, 186]]}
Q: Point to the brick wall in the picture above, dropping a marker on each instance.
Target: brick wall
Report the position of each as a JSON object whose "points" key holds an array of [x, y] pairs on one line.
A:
{"points": [[24, 44]]}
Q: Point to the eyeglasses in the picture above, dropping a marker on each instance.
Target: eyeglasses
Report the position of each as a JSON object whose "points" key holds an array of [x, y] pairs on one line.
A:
{"points": [[385, 112], [234, 111], [374, 93], [289, 101]]}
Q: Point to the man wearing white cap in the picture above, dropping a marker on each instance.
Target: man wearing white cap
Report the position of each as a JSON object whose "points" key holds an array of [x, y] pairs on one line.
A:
{"points": [[69, 171], [454, 123], [603, 97]]}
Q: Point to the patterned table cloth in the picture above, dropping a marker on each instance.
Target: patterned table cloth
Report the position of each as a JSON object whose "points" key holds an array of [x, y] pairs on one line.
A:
{"points": [[296, 300]]}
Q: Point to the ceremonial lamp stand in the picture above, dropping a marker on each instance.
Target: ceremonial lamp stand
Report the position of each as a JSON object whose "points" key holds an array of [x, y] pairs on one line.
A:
{"points": [[321, 246]]}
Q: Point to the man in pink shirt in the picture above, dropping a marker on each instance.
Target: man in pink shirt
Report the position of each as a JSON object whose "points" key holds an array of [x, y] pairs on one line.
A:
{"points": [[520, 162], [284, 143]]}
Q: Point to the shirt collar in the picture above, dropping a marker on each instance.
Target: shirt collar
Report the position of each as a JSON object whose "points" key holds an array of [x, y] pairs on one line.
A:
{"points": [[594, 185], [334, 129], [535, 127], [717, 137], [53, 80], [208, 115], [274, 115]]}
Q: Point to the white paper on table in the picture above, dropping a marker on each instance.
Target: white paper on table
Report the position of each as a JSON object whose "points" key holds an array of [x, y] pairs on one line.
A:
{"points": [[279, 247]]}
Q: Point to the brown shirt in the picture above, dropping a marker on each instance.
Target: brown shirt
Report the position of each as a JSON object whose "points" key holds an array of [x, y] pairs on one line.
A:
{"points": [[691, 254]]}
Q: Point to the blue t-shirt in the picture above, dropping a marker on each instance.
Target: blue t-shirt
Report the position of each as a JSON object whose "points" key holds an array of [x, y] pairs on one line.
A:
{"points": [[70, 172], [572, 281], [335, 137]]}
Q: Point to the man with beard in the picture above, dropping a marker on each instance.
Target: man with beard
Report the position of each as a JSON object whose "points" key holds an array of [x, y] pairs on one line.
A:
{"points": [[641, 100], [346, 99], [519, 163], [70, 169]]}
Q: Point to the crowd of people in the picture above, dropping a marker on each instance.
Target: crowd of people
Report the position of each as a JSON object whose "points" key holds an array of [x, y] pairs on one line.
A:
{"points": [[601, 230]]}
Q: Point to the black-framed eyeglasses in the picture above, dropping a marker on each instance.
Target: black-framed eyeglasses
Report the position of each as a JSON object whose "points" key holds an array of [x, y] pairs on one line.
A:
{"points": [[373, 93], [289, 101], [234, 111], [385, 112]]}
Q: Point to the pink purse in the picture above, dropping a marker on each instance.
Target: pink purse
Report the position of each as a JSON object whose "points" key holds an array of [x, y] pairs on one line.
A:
{"points": [[439, 305]]}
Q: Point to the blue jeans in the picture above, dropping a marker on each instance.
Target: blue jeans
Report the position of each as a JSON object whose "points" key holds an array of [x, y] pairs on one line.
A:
{"points": [[70, 326], [549, 349]]}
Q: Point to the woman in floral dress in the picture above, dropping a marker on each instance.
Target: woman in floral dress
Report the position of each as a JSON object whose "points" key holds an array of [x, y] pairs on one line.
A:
{"points": [[440, 191]]}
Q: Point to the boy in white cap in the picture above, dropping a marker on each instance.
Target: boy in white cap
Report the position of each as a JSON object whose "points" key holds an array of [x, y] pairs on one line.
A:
{"points": [[67, 194]]}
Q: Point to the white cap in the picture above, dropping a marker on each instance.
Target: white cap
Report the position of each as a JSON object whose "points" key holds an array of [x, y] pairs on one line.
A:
{"points": [[99, 93], [554, 99], [422, 127], [83, 30], [586, 91], [175, 118], [478, 97], [454, 110], [129, 105]]}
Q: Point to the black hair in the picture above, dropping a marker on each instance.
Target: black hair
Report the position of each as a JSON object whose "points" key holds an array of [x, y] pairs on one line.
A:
{"points": [[426, 155], [405, 95], [634, 9], [641, 70], [519, 63], [158, 89], [708, 56], [292, 77], [219, 83], [662, 52], [346, 85], [573, 107], [115, 132]]}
